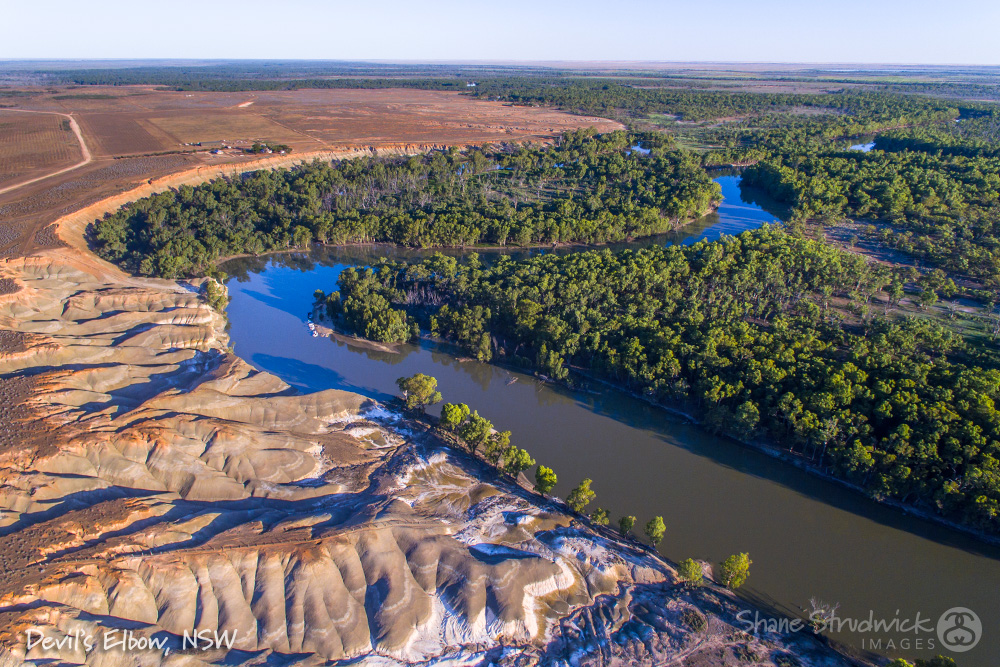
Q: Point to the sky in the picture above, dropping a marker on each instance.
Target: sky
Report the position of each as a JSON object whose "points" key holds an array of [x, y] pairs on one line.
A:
{"points": [[821, 31]]}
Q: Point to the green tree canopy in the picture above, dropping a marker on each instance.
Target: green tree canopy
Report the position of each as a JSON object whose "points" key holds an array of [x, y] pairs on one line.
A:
{"points": [[475, 431], [419, 391], [516, 460], [655, 530], [735, 570], [497, 446], [581, 496], [689, 570], [600, 517], [453, 415], [545, 479]]}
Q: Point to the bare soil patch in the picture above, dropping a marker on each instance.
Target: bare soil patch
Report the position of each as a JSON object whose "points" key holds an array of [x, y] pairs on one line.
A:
{"points": [[20, 429], [34, 144], [123, 134]]}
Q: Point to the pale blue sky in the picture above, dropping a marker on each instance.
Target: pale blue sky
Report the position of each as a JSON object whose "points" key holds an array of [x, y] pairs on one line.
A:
{"points": [[880, 31]]}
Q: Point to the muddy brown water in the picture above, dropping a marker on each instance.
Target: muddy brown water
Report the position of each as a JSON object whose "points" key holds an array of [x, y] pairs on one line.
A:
{"points": [[808, 537]]}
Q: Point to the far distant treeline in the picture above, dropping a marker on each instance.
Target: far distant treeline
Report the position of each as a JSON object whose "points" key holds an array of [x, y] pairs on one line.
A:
{"points": [[293, 75], [254, 71], [765, 336], [586, 189], [623, 94], [614, 98]]}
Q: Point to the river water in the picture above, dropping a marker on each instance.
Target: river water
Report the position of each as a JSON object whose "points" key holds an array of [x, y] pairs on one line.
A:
{"points": [[807, 537]]}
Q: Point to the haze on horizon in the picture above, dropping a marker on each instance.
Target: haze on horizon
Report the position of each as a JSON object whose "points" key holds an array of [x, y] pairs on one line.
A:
{"points": [[788, 31]]}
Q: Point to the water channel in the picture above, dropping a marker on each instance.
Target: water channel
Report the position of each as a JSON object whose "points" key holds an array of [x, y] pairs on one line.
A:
{"points": [[808, 538]]}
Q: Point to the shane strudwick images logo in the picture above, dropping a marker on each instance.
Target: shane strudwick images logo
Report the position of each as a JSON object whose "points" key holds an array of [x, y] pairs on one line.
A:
{"points": [[959, 629]]}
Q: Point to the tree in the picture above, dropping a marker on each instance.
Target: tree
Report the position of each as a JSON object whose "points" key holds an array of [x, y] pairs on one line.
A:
{"points": [[475, 431], [626, 524], [747, 417], [927, 297], [419, 391], [453, 415], [655, 530], [216, 294], [496, 446], [600, 517], [581, 496], [689, 570], [484, 351], [735, 570], [545, 480], [516, 460]]}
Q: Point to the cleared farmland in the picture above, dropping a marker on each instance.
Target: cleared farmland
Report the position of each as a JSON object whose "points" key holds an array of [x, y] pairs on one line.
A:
{"points": [[222, 125], [34, 144], [124, 134]]}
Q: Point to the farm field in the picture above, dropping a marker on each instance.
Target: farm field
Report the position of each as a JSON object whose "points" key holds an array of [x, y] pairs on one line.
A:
{"points": [[32, 144], [116, 134], [132, 120], [221, 125]]}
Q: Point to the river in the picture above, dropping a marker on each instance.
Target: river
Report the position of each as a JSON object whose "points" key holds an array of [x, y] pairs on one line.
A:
{"points": [[807, 537]]}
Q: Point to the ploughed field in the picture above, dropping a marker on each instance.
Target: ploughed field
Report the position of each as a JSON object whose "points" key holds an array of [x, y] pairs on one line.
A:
{"points": [[34, 144]]}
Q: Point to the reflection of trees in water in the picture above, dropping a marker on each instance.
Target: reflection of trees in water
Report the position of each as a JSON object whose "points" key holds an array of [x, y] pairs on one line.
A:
{"points": [[759, 198], [366, 254], [240, 269], [391, 358], [549, 394], [482, 374]]}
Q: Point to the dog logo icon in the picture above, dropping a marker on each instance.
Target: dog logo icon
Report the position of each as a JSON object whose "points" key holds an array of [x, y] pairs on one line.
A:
{"points": [[959, 629]]}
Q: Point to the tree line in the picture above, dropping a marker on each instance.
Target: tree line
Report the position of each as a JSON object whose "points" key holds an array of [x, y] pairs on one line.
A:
{"points": [[460, 425], [618, 98], [585, 189]]}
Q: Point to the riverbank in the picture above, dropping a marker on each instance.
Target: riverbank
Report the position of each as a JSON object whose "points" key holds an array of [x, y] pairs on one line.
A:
{"points": [[173, 471], [781, 454]]}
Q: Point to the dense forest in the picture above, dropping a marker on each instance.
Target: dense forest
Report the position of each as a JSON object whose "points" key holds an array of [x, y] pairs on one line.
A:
{"points": [[937, 191], [746, 331], [585, 189]]}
